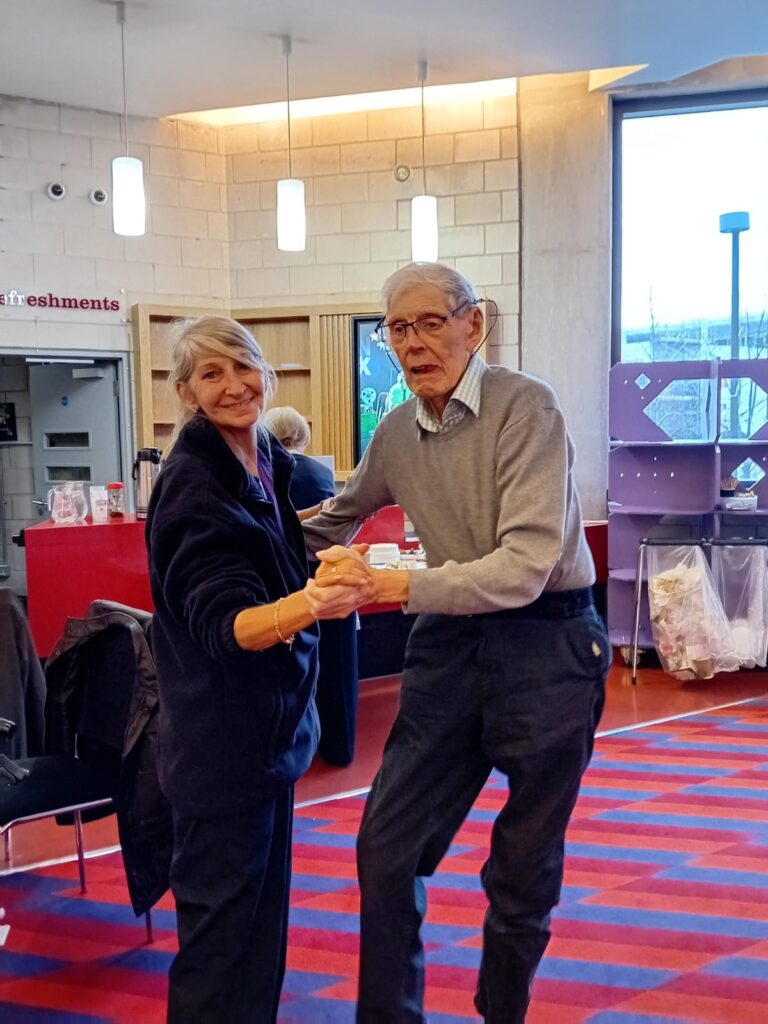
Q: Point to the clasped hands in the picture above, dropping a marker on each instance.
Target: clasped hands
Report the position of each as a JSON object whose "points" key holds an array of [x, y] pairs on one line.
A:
{"points": [[342, 583]]}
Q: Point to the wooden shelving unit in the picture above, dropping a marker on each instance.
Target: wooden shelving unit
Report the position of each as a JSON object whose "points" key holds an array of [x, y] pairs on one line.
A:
{"points": [[310, 349]]}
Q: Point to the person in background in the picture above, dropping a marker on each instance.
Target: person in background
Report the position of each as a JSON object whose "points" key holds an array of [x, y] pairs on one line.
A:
{"points": [[337, 681], [506, 663], [235, 643]]}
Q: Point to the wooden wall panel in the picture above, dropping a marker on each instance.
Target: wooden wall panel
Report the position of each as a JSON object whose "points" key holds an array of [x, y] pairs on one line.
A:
{"points": [[336, 389]]}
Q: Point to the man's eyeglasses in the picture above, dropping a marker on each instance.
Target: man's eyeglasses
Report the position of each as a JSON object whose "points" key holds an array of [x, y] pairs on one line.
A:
{"points": [[430, 326]]}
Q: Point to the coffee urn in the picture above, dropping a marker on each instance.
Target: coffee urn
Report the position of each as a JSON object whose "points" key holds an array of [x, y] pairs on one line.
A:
{"points": [[145, 470]]}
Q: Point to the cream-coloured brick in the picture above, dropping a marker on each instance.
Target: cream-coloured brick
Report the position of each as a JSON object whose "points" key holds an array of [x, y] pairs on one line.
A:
{"points": [[383, 185], [455, 179], [367, 156], [307, 163], [192, 165], [21, 334], [484, 145], [21, 113], [26, 237], [64, 272], [510, 267], [246, 196], [367, 277], [390, 245], [343, 248], [510, 205], [199, 195], [479, 208], [274, 134], [462, 241], [14, 142], [316, 279], [244, 255], [341, 188], [221, 284], [17, 267], [505, 355], [202, 252], [153, 249], [91, 122], [273, 257], [113, 275], [196, 136], [323, 220], [28, 174], [216, 168], [506, 296], [165, 161], [480, 270], [15, 204], [509, 144], [453, 117], [369, 216], [104, 151], [96, 242], [264, 283], [185, 280], [68, 149], [229, 170], [339, 128], [218, 226], [439, 150], [153, 131], [161, 191], [258, 166], [168, 220], [254, 224], [500, 175], [500, 112], [503, 238], [268, 194], [241, 138], [401, 123]]}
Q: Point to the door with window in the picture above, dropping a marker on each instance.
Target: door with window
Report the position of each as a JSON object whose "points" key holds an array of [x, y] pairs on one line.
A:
{"points": [[75, 424]]}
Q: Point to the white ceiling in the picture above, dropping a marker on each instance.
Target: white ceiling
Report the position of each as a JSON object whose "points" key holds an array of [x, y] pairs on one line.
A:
{"points": [[185, 55]]}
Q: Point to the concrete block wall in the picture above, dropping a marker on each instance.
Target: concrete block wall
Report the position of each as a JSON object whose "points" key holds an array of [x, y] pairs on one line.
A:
{"points": [[358, 214], [68, 247]]}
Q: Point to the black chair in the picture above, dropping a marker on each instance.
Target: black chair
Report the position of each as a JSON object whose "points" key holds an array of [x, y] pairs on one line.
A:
{"points": [[88, 718]]}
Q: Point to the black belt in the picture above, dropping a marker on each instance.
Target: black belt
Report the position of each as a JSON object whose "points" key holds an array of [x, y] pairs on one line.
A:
{"points": [[552, 604]]}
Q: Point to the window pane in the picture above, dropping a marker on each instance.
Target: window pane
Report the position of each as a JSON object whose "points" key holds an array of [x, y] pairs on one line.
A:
{"points": [[680, 172]]}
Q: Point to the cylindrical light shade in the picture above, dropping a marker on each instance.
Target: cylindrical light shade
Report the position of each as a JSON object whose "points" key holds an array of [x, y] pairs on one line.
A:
{"points": [[291, 216], [424, 229], [128, 204]]}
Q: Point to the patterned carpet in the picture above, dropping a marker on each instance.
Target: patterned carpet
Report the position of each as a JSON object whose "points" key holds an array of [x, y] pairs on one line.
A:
{"points": [[663, 920]]}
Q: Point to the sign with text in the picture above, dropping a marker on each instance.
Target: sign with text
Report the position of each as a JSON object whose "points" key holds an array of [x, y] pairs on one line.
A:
{"points": [[51, 301]]}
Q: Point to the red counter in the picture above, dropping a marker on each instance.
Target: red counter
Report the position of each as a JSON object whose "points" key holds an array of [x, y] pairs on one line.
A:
{"points": [[71, 564]]}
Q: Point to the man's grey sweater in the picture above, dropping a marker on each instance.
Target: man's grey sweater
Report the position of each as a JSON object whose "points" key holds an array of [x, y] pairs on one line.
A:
{"points": [[492, 500]]}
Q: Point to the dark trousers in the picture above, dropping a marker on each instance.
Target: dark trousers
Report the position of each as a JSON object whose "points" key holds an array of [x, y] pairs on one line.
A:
{"points": [[230, 878], [337, 684], [523, 695]]}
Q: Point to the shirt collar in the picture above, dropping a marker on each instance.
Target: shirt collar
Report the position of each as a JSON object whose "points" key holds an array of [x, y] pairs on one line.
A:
{"points": [[467, 394]]}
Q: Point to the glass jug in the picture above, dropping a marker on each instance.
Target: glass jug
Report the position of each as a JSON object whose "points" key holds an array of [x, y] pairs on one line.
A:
{"points": [[66, 502]]}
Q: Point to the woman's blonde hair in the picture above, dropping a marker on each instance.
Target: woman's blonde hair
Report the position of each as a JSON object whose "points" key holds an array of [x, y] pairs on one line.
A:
{"points": [[288, 426], [212, 336]]}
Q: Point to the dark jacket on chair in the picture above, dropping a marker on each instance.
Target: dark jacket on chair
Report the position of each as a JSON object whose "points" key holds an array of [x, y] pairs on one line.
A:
{"points": [[22, 686], [143, 814]]}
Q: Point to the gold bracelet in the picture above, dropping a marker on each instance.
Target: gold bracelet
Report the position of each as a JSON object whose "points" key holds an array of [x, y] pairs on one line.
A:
{"points": [[276, 623]]}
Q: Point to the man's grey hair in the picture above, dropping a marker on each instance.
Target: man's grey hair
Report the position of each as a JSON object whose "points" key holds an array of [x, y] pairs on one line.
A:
{"points": [[454, 284]]}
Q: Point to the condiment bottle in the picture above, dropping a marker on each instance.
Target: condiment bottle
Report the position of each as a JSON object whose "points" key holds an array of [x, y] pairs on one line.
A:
{"points": [[115, 499]]}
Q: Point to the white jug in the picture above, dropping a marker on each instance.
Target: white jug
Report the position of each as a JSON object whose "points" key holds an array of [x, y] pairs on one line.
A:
{"points": [[66, 502]]}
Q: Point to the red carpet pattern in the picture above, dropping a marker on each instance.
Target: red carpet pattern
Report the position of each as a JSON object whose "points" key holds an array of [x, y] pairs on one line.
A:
{"points": [[663, 917]]}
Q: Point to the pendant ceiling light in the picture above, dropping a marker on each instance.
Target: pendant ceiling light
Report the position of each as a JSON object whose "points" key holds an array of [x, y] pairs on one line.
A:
{"points": [[128, 203], [424, 207], [291, 214]]}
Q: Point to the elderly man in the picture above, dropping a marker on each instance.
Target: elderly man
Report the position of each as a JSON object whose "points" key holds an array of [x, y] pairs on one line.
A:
{"points": [[506, 663]]}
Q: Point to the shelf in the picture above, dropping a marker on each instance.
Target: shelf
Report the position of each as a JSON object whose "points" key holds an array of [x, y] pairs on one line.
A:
{"points": [[658, 510], [291, 369], [624, 575], [676, 443]]}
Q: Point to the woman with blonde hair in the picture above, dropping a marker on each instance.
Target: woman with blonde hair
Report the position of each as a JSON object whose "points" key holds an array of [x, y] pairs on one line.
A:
{"points": [[235, 641]]}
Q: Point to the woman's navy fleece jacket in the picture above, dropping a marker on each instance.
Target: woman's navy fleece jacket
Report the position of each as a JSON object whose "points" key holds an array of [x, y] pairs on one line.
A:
{"points": [[235, 725]]}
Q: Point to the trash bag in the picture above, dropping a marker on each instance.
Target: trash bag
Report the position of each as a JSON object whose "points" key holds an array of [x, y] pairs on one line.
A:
{"points": [[741, 577], [690, 629]]}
